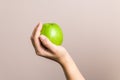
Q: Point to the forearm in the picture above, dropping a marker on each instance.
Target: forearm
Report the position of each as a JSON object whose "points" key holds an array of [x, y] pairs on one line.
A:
{"points": [[70, 69]]}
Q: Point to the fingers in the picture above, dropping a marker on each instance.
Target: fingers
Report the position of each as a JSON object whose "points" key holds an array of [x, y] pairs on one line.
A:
{"points": [[33, 33], [37, 43], [47, 43], [36, 31], [35, 38]]}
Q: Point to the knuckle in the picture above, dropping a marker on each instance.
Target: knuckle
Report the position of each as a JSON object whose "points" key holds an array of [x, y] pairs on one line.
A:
{"points": [[39, 53], [31, 37]]}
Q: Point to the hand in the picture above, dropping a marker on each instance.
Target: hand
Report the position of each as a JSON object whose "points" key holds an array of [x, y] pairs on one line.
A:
{"points": [[45, 48]]}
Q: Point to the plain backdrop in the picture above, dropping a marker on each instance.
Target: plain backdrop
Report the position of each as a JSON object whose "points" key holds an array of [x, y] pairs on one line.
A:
{"points": [[91, 35]]}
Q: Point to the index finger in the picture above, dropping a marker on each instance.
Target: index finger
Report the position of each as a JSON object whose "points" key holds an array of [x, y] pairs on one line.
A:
{"points": [[36, 31]]}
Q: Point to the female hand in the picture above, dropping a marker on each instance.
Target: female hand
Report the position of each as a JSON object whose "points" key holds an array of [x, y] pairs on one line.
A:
{"points": [[45, 48]]}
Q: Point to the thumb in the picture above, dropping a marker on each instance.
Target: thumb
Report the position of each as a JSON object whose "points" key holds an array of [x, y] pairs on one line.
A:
{"points": [[47, 43]]}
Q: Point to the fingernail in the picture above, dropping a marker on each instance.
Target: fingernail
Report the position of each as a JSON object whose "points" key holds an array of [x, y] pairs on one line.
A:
{"points": [[42, 37]]}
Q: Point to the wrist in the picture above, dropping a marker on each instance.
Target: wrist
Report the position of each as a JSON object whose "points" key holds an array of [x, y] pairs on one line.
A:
{"points": [[65, 60], [70, 69]]}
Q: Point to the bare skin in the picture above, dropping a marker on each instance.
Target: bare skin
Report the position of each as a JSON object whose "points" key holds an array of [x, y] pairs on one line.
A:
{"points": [[44, 48]]}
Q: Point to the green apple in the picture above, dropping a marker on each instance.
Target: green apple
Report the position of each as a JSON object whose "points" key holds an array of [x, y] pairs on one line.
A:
{"points": [[53, 32]]}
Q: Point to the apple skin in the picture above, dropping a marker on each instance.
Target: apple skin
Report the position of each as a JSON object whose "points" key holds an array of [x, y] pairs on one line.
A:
{"points": [[53, 32]]}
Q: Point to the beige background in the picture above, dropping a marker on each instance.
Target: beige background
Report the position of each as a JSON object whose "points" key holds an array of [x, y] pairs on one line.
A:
{"points": [[91, 35]]}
